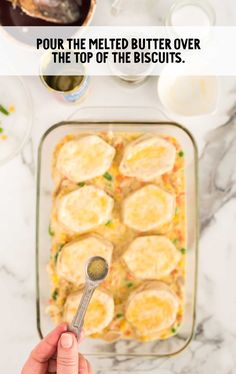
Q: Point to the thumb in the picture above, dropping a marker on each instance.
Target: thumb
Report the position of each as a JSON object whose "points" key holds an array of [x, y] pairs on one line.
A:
{"points": [[67, 355]]}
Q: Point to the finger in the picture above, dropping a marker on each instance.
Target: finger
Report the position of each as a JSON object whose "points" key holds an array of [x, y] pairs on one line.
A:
{"points": [[47, 347], [67, 355], [90, 370], [37, 363], [52, 366], [83, 367]]}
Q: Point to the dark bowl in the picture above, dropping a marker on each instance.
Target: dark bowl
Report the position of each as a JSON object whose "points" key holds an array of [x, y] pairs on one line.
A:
{"points": [[14, 16]]}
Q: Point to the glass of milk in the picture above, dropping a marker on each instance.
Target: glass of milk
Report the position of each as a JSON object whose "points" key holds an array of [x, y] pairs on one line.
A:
{"points": [[191, 13]]}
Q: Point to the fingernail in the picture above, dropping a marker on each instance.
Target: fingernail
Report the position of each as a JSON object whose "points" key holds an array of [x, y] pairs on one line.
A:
{"points": [[66, 340]]}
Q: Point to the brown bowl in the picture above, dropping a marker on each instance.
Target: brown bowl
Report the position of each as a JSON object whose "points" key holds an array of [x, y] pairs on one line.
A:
{"points": [[10, 16]]}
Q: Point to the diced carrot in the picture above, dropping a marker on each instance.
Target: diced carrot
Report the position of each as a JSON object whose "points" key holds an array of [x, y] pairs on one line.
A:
{"points": [[120, 178], [127, 333], [168, 138], [130, 276], [180, 235], [119, 146], [179, 197], [165, 178]]}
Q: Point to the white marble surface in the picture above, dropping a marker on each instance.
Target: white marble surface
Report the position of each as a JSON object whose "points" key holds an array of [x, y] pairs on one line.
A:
{"points": [[213, 349]]}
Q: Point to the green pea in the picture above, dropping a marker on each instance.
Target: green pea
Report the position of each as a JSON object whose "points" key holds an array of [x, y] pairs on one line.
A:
{"points": [[50, 230], [107, 176], [55, 294], [119, 315], [81, 184]]}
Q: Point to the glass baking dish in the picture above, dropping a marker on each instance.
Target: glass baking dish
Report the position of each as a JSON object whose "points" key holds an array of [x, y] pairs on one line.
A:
{"points": [[144, 120]]}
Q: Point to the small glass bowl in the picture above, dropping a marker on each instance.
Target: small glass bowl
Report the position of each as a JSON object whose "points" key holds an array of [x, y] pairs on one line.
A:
{"points": [[202, 5], [16, 127]]}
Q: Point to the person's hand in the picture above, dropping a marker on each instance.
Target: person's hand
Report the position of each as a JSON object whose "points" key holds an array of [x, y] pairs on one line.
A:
{"points": [[57, 353]]}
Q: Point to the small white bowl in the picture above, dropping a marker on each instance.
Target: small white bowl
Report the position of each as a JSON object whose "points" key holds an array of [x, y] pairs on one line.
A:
{"points": [[186, 95]]}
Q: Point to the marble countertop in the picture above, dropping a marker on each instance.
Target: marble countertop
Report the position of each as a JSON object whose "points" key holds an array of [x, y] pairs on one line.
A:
{"points": [[213, 349]]}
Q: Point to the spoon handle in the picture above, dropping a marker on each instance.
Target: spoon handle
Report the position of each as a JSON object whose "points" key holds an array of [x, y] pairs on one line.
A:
{"points": [[78, 320]]}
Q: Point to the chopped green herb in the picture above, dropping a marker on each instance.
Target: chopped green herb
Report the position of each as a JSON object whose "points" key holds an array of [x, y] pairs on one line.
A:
{"points": [[181, 154], [59, 250], [56, 256], [173, 329], [119, 315], [176, 210], [81, 184], [175, 241], [108, 222], [1, 130], [107, 176], [130, 284], [55, 294], [61, 246], [50, 231], [4, 110], [183, 251]]}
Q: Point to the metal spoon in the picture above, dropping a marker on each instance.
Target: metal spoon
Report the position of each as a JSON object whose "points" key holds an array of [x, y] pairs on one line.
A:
{"points": [[96, 272], [57, 11]]}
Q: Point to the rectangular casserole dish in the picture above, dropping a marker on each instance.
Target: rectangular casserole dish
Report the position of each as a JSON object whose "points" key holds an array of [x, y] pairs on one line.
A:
{"points": [[124, 349]]}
